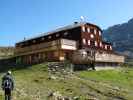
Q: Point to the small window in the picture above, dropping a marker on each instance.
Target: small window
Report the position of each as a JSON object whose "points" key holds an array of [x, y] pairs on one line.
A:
{"points": [[66, 33], [88, 30], [110, 47], [95, 31], [99, 33], [49, 37], [92, 43], [92, 30], [106, 47], [96, 43], [88, 52], [84, 41], [100, 44], [83, 28], [89, 42], [43, 38], [57, 35], [21, 45], [34, 41], [91, 35]]}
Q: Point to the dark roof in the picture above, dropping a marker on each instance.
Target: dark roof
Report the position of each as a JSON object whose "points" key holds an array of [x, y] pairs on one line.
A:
{"points": [[76, 24]]}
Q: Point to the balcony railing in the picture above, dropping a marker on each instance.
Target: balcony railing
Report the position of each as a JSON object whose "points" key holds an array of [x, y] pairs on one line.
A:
{"points": [[54, 45]]}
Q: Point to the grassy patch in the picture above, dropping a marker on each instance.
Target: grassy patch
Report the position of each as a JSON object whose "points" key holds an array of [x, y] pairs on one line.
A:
{"points": [[122, 77], [33, 83]]}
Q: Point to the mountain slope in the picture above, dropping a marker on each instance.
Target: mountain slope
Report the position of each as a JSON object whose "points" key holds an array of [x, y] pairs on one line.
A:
{"points": [[6, 52], [121, 36]]}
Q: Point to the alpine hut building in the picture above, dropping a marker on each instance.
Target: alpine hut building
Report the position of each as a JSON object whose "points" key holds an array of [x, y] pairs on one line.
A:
{"points": [[81, 43]]}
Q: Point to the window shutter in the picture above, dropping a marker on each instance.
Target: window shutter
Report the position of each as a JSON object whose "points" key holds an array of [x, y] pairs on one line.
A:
{"points": [[100, 33], [89, 42], [95, 31], [88, 30], [96, 43], [91, 35], [84, 41], [83, 28]]}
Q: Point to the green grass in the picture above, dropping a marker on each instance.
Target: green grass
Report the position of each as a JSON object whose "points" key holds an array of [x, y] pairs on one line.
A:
{"points": [[32, 83], [122, 77]]}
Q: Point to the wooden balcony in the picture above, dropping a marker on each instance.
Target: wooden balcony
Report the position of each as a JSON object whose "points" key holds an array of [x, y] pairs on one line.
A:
{"points": [[47, 46]]}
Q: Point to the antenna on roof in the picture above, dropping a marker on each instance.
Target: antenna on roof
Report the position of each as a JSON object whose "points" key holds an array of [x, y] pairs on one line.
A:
{"points": [[82, 18], [24, 38]]}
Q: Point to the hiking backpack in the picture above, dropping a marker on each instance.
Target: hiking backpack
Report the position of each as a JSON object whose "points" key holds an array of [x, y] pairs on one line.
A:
{"points": [[7, 84]]}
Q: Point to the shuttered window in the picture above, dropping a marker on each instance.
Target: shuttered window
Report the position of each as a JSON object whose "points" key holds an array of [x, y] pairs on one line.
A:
{"points": [[88, 30], [99, 33], [95, 31], [83, 28], [92, 43], [96, 43], [57, 35], [106, 47], [43, 38], [110, 47], [92, 30], [89, 42], [100, 44], [50, 37], [84, 41], [91, 35]]}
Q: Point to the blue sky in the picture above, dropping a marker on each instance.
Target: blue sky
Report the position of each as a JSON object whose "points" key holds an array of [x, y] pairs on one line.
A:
{"points": [[28, 18]]}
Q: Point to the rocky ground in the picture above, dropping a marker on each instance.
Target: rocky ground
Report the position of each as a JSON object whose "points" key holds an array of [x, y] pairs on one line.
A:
{"points": [[39, 83]]}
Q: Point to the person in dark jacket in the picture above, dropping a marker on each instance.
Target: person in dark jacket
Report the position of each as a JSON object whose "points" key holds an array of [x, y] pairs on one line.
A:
{"points": [[7, 85], [92, 66]]}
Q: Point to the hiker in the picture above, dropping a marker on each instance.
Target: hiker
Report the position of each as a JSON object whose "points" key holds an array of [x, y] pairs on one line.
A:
{"points": [[92, 66], [7, 85]]}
